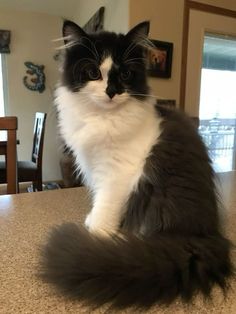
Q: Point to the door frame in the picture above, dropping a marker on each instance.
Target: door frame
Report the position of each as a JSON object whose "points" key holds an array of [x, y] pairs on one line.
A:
{"points": [[193, 5]]}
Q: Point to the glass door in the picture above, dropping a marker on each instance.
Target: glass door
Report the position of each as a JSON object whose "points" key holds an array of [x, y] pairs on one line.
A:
{"points": [[210, 89], [217, 110]]}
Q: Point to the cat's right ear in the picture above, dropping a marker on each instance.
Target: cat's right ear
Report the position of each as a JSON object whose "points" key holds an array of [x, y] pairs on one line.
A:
{"points": [[139, 32], [72, 32]]}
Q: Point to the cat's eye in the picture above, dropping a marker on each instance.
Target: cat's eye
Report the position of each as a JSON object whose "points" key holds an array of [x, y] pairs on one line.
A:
{"points": [[94, 74], [125, 75]]}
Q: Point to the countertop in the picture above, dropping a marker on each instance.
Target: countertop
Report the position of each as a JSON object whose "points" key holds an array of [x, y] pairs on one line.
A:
{"points": [[24, 222]]}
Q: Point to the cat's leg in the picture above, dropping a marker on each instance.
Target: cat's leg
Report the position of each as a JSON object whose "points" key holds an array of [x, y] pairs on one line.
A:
{"points": [[108, 209]]}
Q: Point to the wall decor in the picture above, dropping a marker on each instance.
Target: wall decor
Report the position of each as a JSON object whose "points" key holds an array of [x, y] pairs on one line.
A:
{"points": [[160, 59], [5, 37], [35, 80]]}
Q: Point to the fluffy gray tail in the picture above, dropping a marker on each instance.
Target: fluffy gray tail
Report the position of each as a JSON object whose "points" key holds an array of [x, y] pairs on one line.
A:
{"points": [[132, 272]]}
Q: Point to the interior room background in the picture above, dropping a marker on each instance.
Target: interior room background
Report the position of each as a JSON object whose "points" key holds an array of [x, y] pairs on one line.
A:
{"points": [[32, 32]]}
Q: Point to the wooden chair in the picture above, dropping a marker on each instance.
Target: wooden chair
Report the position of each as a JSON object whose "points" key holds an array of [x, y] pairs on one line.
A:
{"points": [[32, 170], [8, 148]]}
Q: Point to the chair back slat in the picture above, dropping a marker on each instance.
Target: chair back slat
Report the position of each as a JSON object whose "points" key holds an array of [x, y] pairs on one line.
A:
{"points": [[9, 124], [39, 129]]}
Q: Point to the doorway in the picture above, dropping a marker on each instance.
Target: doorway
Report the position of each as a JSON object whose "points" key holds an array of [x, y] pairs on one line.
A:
{"points": [[209, 80], [217, 110]]}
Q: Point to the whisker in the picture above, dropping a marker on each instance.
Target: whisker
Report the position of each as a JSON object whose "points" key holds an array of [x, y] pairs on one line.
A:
{"points": [[68, 45], [135, 60], [147, 95], [132, 62], [87, 93], [130, 48], [142, 41], [130, 93], [147, 42], [61, 38], [88, 59], [95, 49], [92, 52]]}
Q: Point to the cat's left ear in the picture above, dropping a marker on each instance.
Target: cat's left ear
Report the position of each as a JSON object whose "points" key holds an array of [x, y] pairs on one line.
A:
{"points": [[72, 32], [139, 32]]}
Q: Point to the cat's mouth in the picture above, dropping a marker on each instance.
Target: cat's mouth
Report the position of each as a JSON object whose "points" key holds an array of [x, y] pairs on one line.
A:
{"points": [[110, 103], [117, 100]]}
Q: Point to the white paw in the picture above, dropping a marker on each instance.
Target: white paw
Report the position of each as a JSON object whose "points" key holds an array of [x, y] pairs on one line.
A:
{"points": [[88, 221], [96, 227]]}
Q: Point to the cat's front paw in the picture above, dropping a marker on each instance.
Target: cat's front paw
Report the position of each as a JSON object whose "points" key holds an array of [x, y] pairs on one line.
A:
{"points": [[95, 227]]}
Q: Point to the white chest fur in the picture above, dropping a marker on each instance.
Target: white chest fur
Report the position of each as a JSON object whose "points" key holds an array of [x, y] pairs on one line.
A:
{"points": [[110, 146]]}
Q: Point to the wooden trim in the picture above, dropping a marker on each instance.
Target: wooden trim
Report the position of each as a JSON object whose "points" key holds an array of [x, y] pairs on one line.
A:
{"points": [[210, 8], [11, 163], [10, 125], [188, 5]]}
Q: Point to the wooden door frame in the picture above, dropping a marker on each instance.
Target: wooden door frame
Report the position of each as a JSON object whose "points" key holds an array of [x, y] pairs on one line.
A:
{"points": [[193, 5]]}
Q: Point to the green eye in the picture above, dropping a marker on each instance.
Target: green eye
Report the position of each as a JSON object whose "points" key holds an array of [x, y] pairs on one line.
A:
{"points": [[125, 75], [94, 74]]}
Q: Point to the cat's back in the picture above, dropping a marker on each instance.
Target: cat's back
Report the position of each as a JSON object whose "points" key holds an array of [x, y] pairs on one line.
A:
{"points": [[180, 136]]}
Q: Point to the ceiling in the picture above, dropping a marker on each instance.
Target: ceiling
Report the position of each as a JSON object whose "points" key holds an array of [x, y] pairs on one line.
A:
{"points": [[64, 8]]}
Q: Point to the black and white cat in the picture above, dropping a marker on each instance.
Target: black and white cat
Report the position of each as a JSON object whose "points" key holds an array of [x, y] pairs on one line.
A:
{"points": [[153, 233]]}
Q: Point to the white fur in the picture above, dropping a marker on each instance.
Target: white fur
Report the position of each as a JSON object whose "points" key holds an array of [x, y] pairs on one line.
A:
{"points": [[111, 140]]}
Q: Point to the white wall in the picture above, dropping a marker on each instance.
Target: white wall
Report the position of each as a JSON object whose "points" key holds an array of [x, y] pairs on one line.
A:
{"points": [[31, 40], [116, 13], [63, 8]]}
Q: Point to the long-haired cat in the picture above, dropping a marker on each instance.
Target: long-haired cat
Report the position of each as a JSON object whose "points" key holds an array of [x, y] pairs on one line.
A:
{"points": [[153, 233]]}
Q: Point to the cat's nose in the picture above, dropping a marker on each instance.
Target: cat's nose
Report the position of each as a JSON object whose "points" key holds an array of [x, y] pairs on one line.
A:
{"points": [[110, 91]]}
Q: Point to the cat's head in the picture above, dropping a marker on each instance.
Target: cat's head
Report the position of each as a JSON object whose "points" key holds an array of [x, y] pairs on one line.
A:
{"points": [[106, 68]]}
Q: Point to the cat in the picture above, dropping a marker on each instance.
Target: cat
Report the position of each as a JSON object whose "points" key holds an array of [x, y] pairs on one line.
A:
{"points": [[153, 233]]}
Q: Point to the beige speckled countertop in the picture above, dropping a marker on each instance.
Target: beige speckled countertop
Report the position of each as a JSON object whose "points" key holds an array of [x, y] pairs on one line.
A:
{"points": [[24, 222]]}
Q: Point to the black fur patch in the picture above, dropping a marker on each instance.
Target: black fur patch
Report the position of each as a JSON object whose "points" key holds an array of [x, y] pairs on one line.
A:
{"points": [[177, 192], [91, 50], [132, 272]]}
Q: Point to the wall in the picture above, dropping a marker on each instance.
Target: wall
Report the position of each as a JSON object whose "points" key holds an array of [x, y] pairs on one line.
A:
{"points": [[31, 40], [116, 13], [63, 8], [166, 17], [32, 35]]}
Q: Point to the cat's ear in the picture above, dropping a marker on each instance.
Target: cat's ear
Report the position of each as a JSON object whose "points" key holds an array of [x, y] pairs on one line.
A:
{"points": [[139, 32], [72, 32]]}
